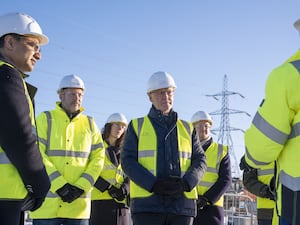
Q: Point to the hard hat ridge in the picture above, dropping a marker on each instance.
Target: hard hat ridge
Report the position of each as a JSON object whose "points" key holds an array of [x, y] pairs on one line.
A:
{"points": [[117, 118], [71, 81], [160, 80], [22, 24], [201, 116]]}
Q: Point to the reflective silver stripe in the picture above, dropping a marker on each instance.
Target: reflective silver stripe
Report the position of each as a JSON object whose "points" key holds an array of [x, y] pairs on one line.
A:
{"points": [[96, 146], [89, 178], [146, 153], [261, 172], [49, 121], [90, 119], [259, 163], [140, 124], [152, 171], [295, 131], [296, 64], [43, 141], [206, 183], [68, 153], [54, 175], [4, 159], [185, 155], [187, 127], [290, 182], [211, 170], [268, 130], [34, 130], [109, 167], [220, 151], [182, 173]]}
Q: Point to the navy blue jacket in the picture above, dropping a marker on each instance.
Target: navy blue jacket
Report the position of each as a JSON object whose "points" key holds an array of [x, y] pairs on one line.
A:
{"points": [[167, 165]]}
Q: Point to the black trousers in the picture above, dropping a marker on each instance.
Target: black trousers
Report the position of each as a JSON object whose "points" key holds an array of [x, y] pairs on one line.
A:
{"points": [[160, 219], [10, 213], [210, 215], [109, 212]]}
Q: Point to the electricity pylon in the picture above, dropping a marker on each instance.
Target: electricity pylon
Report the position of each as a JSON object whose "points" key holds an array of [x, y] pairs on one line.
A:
{"points": [[224, 130]]}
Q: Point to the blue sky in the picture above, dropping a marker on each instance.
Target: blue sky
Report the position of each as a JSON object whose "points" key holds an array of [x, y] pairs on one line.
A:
{"points": [[115, 46]]}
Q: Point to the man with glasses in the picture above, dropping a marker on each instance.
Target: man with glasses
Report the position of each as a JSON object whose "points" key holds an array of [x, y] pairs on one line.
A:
{"points": [[22, 172], [73, 151], [163, 159]]}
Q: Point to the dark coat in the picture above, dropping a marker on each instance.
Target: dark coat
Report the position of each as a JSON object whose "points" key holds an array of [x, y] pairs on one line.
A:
{"points": [[167, 165]]}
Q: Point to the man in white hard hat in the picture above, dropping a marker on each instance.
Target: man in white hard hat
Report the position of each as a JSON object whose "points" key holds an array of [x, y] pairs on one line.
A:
{"points": [[72, 148], [274, 135], [217, 178], [163, 158], [22, 171]]}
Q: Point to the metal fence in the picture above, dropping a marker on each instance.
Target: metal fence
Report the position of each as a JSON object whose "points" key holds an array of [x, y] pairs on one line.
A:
{"points": [[239, 209]]}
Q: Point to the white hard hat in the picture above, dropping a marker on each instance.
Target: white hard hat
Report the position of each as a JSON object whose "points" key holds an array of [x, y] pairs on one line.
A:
{"points": [[160, 80], [297, 25], [117, 118], [201, 116], [22, 24], [71, 81]]}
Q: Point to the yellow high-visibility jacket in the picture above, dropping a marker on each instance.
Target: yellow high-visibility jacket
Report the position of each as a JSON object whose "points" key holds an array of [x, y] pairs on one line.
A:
{"points": [[73, 152], [147, 152], [24, 161], [214, 155], [113, 175], [275, 135]]}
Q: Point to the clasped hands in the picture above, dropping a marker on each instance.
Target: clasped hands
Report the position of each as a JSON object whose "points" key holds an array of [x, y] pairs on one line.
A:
{"points": [[170, 187], [69, 193]]}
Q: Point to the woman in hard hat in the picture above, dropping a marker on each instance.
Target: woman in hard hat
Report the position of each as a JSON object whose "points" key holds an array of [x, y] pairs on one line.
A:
{"points": [[109, 196], [217, 178]]}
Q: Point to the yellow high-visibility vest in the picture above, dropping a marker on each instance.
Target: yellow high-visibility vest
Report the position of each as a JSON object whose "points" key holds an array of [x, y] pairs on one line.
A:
{"points": [[113, 175], [147, 150], [214, 155], [14, 187]]}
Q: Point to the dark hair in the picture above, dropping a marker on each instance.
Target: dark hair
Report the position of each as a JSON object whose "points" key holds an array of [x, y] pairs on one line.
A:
{"points": [[16, 36], [106, 133]]}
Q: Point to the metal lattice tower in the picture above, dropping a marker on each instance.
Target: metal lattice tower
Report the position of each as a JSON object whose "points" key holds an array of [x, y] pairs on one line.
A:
{"points": [[224, 130]]}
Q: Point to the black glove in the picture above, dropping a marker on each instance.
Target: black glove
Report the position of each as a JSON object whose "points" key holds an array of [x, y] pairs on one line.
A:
{"points": [[244, 166], [117, 193], [32, 202], [266, 192], [171, 186], [102, 184], [69, 193], [202, 202]]}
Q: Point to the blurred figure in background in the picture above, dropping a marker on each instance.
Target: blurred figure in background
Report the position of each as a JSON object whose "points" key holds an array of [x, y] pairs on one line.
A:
{"points": [[274, 135], [217, 178], [261, 182], [109, 196]]}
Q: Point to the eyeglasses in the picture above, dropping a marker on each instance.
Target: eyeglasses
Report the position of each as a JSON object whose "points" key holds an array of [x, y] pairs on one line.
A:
{"points": [[163, 93]]}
